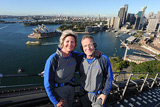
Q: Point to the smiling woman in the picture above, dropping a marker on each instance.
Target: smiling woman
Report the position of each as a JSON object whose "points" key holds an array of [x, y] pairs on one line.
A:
{"points": [[59, 71]]}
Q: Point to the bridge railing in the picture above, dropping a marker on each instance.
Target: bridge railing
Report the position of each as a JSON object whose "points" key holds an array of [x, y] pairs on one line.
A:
{"points": [[130, 81], [125, 81]]}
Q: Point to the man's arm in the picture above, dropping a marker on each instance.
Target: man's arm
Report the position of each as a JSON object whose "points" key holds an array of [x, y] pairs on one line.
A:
{"points": [[109, 78], [108, 82]]}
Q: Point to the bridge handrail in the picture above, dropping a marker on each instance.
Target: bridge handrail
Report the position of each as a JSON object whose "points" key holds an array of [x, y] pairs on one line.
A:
{"points": [[41, 74]]}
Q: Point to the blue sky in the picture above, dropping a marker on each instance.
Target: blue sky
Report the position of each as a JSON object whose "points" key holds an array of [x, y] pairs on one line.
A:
{"points": [[105, 8]]}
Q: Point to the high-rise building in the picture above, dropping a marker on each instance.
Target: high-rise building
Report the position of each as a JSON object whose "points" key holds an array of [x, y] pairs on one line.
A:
{"points": [[131, 18], [152, 25], [116, 23], [126, 9], [140, 14], [108, 22], [150, 15], [99, 19], [122, 14], [112, 22], [158, 15]]}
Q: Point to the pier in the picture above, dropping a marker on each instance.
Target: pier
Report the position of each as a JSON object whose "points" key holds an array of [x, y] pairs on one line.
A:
{"points": [[143, 54], [150, 53]]}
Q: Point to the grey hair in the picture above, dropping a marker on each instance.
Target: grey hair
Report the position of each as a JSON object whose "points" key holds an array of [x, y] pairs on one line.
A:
{"points": [[66, 33], [88, 36]]}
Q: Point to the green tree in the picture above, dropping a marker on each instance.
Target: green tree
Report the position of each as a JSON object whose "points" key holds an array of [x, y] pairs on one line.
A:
{"points": [[148, 67]]}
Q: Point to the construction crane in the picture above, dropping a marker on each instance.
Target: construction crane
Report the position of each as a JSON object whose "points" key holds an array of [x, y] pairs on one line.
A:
{"points": [[127, 48]]}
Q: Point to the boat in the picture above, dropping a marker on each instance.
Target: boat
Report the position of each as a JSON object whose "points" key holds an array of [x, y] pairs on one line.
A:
{"points": [[43, 32], [32, 43], [117, 36]]}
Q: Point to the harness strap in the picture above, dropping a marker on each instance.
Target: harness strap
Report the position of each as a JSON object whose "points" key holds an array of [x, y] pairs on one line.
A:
{"points": [[83, 92], [97, 92], [56, 85]]}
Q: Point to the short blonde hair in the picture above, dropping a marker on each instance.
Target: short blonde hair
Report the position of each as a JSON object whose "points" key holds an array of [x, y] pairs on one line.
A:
{"points": [[66, 33]]}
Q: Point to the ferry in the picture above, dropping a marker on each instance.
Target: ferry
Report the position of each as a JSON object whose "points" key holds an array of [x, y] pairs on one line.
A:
{"points": [[43, 32], [117, 36], [32, 43]]}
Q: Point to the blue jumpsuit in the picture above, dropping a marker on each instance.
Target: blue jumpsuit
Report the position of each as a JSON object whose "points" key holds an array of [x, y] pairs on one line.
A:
{"points": [[95, 77], [59, 70]]}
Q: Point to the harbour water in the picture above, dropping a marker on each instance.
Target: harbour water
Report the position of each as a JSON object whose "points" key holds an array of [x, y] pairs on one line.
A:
{"points": [[14, 53]]}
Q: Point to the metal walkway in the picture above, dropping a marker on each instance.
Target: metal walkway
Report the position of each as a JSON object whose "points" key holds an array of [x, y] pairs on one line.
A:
{"points": [[127, 93]]}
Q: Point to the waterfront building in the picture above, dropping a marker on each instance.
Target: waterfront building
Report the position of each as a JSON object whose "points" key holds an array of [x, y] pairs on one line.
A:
{"points": [[116, 23], [138, 24], [88, 29], [131, 39], [95, 28], [108, 23], [101, 25], [152, 25], [92, 29], [112, 22]]}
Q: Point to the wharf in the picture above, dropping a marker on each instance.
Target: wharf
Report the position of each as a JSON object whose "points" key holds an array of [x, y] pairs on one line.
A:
{"points": [[137, 47], [143, 54]]}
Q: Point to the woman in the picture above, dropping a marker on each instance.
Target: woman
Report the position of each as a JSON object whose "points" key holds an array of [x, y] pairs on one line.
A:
{"points": [[59, 71]]}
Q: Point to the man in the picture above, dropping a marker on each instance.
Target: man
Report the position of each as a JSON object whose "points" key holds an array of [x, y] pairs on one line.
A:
{"points": [[95, 75]]}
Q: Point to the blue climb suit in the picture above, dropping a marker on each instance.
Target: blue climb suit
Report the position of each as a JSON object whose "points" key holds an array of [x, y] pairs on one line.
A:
{"points": [[95, 78], [58, 72]]}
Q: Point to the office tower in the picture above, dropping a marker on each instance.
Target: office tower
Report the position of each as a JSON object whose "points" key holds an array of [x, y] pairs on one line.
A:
{"points": [[122, 14], [131, 18], [152, 25], [112, 22], [116, 23], [158, 31], [108, 22], [140, 15], [158, 15], [99, 19], [126, 9], [150, 15]]}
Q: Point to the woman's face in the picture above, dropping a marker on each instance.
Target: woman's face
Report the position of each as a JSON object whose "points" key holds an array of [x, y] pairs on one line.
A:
{"points": [[69, 44]]}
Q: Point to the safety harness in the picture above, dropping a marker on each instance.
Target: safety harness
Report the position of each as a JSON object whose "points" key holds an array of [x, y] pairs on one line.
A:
{"points": [[71, 83]]}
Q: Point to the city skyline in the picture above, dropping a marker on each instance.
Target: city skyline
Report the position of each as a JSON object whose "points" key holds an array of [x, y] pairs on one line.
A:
{"points": [[104, 8]]}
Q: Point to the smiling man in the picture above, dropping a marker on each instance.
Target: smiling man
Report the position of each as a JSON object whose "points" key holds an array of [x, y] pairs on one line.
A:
{"points": [[95, 75]]}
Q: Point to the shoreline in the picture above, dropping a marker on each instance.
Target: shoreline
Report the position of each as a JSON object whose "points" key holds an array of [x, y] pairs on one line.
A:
{"points": [[85, 32], [136, 47], [79, 32]]}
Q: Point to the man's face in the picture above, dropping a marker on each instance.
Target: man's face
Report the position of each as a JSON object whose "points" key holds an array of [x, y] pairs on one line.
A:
{"points": [[88, 46]]}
